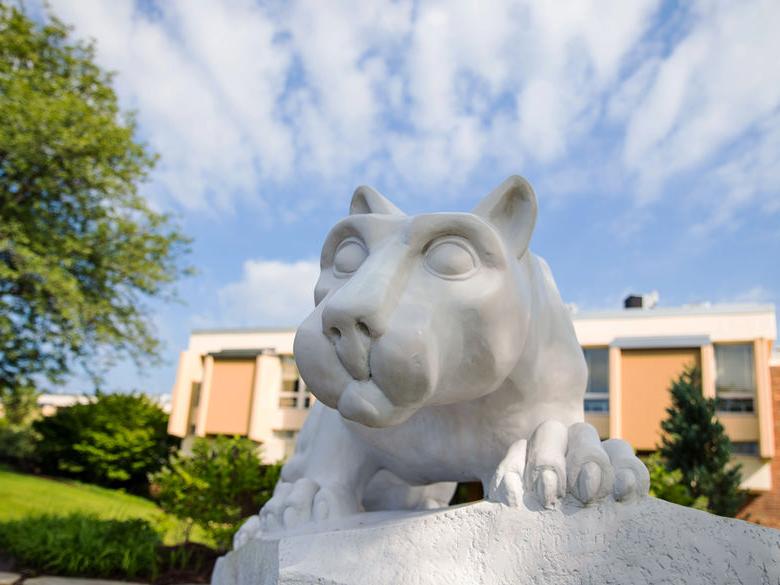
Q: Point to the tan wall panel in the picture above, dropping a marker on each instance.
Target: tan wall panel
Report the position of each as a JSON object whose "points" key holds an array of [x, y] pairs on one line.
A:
{"points": [[188, 371], [740, 427], [230, 398], [601, 423], [764, 409], [266, 401], [292, 418], [646, 375]]}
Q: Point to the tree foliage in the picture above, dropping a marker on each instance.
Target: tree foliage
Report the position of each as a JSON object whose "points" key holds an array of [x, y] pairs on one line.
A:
{"points": [[696, 444], [115, 441], [81, 252], [217, 486]]}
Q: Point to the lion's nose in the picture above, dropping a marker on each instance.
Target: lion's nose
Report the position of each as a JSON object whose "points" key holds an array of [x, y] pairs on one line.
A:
{"points": [[352, 339]]}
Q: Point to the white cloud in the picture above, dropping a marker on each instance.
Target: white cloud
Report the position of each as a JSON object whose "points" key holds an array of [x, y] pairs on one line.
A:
{"points": [[239, 97], [717, 83], [244, 99], [204, 78], [750, 178], [269, 293], [755, 294]]}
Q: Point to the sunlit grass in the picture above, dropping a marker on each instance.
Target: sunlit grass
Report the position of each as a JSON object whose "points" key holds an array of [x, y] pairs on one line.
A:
{"points": [[23, 495]]}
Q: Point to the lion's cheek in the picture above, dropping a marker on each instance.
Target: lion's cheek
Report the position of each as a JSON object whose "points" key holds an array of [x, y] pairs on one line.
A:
{"points": [[402, 368]]}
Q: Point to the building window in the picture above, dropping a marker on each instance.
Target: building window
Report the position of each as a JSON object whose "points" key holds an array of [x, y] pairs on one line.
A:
{"points": [[597, 391], [288, 438], [735, 384], [294, 393], [195, 394], [744, 448]]}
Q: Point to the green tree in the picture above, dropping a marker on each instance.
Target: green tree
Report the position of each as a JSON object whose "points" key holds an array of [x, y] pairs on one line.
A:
{"points": [[116, 441], [696, 444], [217, 486], [81, 252]]}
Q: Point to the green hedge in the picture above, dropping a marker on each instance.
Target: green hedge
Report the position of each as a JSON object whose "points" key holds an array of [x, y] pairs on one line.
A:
{"points": [[114, 441], [83, 545]]}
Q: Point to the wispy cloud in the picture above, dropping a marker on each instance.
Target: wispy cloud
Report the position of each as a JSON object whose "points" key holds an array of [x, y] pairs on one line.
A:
{"points": [[269, 292], [720, 81], [243, 98]]}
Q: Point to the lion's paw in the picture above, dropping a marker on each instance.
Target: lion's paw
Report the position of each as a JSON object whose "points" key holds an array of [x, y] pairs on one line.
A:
{"points": [[249, 529], [559, 460], [297, 503]]}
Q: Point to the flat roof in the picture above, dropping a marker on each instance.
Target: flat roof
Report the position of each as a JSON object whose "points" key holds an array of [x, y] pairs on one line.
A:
{"points": [[702, 309], [244, 330]]}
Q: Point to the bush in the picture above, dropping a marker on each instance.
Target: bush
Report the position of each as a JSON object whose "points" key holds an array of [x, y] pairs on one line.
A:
{"points": [[219, 485], [670, 485], [82, 545], [115, 441]]}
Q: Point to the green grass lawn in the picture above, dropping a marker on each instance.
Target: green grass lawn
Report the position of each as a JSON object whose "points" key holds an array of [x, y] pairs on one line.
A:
{"points": [[24, 495]]}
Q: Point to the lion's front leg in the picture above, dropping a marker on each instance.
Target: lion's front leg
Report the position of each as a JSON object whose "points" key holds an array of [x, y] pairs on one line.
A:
{"points": [[322, 480], [557, 460]]}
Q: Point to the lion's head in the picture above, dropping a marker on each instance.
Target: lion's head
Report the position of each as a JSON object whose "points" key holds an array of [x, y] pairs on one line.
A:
{"points": [[418, 311]]}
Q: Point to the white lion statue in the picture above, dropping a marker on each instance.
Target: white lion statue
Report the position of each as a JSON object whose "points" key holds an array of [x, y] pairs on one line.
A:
{"points": [[440, 352]]}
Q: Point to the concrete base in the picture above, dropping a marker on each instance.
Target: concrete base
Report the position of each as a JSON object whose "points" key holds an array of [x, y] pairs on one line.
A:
{"points": [[652, 542]]}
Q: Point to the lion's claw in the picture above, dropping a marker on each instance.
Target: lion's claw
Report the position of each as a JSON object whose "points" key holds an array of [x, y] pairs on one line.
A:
{"points": [[557, 460], [297, 503]]}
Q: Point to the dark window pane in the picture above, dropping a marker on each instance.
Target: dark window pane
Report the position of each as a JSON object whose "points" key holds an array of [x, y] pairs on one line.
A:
{"points": [[598, 370], [287, 402], [597, 405], [744, 448], [735, 368], [735, 404], [195, 394]]}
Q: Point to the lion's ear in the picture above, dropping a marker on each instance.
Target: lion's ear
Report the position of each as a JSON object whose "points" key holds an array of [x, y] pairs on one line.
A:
{"points": [[368, 200], [511, 208]]}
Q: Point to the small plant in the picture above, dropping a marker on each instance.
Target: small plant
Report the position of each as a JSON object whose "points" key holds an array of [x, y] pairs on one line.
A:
{"points": [[217, 486], [82, 545]]}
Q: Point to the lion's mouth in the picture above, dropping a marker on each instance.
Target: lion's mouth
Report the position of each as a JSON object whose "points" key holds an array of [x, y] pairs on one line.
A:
{"points": [[364, 402]]}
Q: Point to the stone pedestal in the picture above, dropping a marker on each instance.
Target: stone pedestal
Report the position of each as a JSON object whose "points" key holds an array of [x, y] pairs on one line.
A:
{"points": [[651, 542]]}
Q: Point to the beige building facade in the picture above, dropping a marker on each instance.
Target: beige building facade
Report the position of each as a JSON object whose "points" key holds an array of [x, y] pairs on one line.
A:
{"points": [[244, 382]]}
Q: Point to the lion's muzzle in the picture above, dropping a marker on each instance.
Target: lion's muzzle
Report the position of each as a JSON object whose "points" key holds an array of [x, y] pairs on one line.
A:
{"points": [[352, 339]]}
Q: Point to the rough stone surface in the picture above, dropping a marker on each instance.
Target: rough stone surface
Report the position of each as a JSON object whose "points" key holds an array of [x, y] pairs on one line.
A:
{"points": [[650, 542], [8, 578]]}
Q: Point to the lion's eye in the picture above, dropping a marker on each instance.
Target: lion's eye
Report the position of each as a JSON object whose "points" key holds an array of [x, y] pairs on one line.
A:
{"points": [[349, 256], [450, 258]]}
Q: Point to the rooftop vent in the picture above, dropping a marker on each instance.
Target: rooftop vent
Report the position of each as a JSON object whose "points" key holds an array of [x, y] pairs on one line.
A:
{"points": [[647, 301]]}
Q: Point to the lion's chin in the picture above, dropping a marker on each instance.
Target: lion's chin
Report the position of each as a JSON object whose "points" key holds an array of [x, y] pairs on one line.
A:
{"points": [[364, 402]]}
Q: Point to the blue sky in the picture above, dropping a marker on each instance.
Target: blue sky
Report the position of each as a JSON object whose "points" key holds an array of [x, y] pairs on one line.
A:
{"points": [[650, 131]]}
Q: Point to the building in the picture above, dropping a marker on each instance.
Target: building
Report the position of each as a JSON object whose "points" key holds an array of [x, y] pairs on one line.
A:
{"points": [[49, 404], [245, 382], [635, 353], [240, 382]]}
